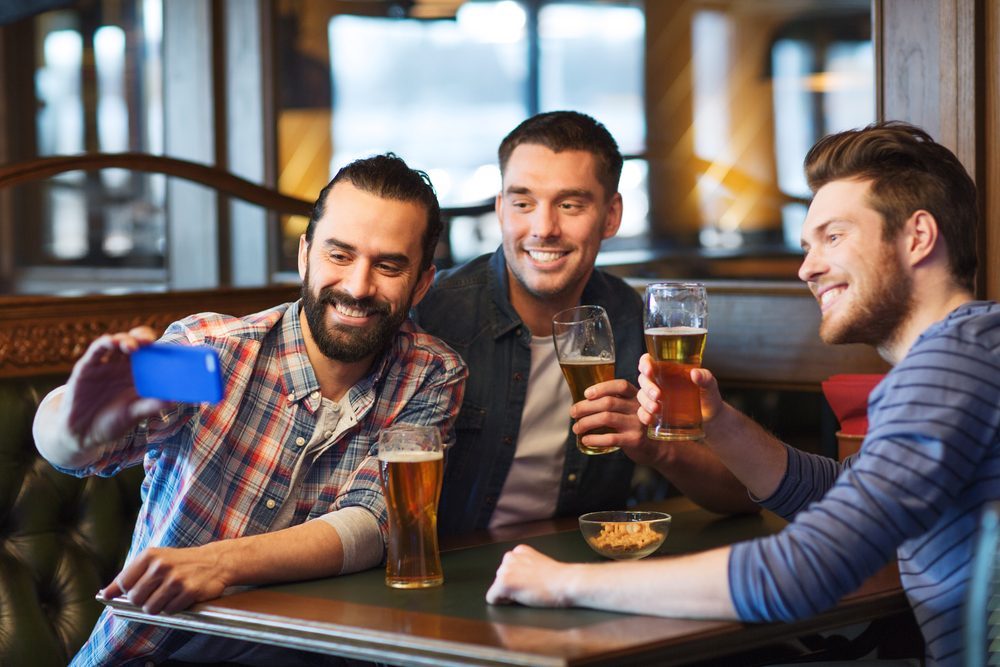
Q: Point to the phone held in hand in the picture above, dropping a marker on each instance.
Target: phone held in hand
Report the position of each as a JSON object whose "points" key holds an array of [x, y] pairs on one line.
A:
{"points": [[183, 373]]}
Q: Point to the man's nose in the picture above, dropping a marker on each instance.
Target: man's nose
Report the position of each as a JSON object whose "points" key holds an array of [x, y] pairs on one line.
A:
{"points": [[812, 266], [545, 223], [358, 282]]}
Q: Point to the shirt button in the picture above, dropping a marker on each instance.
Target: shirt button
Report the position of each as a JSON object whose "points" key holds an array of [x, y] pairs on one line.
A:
{"points": [[328, 434], [336, 407], [291, 396], [300, 441], [270, 503], [518, 377], [315, 394], [571, 477], [508, 440], [150, 663]]}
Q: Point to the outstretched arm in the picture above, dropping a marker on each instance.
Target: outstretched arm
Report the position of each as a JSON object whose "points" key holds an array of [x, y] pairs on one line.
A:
{"points": [[169, 580], [756, 458], [77, 422], [691, 467], [693, 586]]}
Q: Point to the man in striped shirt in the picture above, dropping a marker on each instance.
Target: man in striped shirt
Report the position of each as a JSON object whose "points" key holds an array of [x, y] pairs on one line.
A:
{"points": [[279, 480], [890, 243]]}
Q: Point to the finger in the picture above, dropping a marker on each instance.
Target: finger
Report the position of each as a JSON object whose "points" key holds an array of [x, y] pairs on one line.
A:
{"points": [[646, 365], [617, 387], [145, 408], [111, 591], [143, 334], [605, 404], [702, 377], [497, 593], [167, 594]]}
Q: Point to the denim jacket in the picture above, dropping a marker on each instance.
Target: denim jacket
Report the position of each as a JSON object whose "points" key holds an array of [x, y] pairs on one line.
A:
{"points": [[469, 309]]}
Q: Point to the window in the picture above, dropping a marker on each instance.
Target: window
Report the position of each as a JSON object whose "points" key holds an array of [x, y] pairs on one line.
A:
{"points": [[443, 93], [97, 86]]}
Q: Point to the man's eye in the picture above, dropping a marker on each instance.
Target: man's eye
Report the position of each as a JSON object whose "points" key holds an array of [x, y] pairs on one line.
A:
{"points": [[339, 257], [390, 269], [832, 238], [570, 206]]}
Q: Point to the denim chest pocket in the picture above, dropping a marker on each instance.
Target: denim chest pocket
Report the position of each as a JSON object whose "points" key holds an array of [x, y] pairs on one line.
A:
{"points": [[470, 418]]}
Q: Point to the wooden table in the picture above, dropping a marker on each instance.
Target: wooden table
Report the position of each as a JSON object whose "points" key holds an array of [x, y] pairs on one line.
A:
{"points": [[358, 616]]}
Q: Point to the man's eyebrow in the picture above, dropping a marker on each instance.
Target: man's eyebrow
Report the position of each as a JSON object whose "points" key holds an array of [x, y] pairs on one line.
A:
{"points": [[561, 194], [395, 257]]}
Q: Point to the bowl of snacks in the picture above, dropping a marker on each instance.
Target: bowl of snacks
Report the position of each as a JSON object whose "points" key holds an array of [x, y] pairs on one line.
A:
{"points": [[625, 535]]}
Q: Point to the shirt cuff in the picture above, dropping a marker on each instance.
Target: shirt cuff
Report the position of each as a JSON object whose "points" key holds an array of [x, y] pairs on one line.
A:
{"points": [[359, 535]]}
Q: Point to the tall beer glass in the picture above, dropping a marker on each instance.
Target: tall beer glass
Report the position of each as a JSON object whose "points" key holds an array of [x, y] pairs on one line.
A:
{"points": [[411, 465], [585, 348], [676, 321]]}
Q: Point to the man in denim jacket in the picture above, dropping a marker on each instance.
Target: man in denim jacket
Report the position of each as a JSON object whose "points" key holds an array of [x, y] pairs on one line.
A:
{"points": [[517, 458]]}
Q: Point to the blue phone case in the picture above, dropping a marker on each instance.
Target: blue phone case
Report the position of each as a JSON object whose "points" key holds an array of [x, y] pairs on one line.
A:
{"points": [[189, 374]]}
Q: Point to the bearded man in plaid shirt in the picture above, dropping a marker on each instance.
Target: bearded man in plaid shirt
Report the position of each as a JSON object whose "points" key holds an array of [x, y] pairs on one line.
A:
{"points": [[279, 480]]}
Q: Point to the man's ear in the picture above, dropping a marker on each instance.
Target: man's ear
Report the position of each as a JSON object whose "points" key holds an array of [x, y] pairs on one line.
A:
{"points": [[303, 257], [921, 235], [614, 218], [498, 207], [423, 284]]}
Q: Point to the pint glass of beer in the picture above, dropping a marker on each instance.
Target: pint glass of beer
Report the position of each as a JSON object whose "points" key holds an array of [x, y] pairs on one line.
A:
{"points": [[585, 348], [411, 465], [676, 321]]}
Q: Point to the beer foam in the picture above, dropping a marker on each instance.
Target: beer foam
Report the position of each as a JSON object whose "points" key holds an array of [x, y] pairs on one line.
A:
{"points": [[586, 361], [409, 457], [675, 331]]}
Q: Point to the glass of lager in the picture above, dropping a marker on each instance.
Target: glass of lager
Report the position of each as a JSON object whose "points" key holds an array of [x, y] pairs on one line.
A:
{"points": [[411, 465], [676, 321], [585, 348]]}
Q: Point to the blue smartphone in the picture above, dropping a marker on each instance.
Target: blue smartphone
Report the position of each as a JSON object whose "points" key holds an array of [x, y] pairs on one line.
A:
{"points": [[184, 373]]}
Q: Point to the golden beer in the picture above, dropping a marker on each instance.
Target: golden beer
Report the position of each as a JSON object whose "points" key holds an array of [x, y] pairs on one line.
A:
{"points": [[583, 373], [675, 351], [411, 481]]}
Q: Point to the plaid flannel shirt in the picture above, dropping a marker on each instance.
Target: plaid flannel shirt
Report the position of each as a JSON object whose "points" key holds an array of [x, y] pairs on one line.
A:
{"points": [[223, 471]]}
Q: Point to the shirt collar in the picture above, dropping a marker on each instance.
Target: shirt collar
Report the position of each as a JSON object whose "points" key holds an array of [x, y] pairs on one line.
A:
{"points": [[299, 379]]}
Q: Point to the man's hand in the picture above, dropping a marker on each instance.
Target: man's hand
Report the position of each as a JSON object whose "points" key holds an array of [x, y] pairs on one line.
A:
{"points": [[169, 580], [649, 393], [98, 404], [611, 406], [530, 578]]}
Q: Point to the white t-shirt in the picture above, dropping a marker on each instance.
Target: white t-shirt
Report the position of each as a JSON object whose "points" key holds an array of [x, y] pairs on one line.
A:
{"points": [[531, 489]]}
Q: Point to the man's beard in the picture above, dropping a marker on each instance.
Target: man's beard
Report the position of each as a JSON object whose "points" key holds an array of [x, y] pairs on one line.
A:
{"points": [[345, 343], [876, 317]]}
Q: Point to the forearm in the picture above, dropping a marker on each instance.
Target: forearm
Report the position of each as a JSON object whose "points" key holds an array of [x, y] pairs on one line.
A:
{"points": [[700, 475], [320, 548], [754, 456], [308, 551], [693, 586]]}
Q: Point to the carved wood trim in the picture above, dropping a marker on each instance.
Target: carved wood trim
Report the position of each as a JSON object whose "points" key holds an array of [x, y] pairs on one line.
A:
{"points": [[46, 335]]}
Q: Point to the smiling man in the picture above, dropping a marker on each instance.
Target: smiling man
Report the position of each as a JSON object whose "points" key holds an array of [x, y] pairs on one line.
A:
{"points": [[517, 458], [890, 243], [279, 480]]}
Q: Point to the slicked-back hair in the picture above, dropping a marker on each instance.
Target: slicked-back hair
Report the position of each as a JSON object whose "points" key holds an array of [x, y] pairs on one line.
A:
{"points": [[908, 172], [387, 176], [569, 130]]}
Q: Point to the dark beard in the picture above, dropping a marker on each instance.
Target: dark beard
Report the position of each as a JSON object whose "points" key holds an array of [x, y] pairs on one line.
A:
{"points": [[343, 343], [879, 318]]}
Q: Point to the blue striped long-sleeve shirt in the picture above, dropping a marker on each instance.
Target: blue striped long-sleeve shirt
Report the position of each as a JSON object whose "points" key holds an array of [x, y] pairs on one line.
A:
{"points": [[929, 462]]}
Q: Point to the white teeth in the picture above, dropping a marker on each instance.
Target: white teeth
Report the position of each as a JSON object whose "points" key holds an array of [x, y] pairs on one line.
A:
{"points": [[350, 312], [830, 295], [542, 256]]}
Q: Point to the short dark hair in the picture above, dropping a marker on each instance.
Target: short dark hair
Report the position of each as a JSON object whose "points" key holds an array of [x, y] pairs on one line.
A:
{"points": [[388, 176], [569, 130], [908, 171]]}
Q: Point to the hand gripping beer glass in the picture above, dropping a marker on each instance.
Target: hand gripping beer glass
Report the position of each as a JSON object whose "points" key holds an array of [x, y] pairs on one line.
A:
{"points": [[676, 321], [411, 465], [585, 348]]}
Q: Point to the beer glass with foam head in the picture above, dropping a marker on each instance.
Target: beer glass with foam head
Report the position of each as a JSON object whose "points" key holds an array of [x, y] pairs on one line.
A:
{"points": [[676, 325], [585, 348], [411, 465]]}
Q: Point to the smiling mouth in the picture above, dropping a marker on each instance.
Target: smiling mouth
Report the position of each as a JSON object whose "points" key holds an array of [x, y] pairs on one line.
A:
{"points": [[545, 256], [827, 298]]}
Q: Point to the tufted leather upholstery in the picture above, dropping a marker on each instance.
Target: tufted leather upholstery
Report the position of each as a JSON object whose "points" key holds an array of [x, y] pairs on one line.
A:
{"points": [[61, 538]]}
